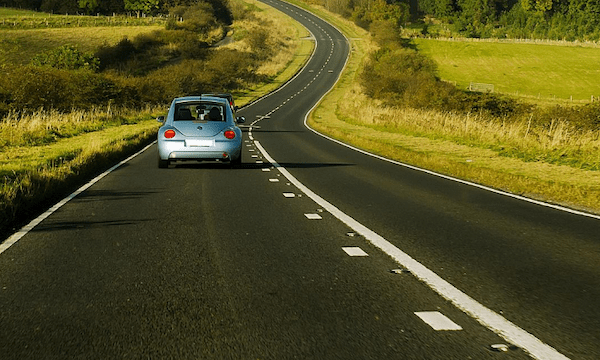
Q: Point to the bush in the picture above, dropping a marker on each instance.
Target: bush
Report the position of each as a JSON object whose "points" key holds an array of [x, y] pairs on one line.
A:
{"points": [[231, 69], [66, 57], [403, 77], [391, 72], [112, 55], [32, 87]]}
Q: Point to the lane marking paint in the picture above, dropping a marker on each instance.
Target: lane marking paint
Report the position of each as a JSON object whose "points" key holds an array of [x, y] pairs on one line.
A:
{"points": [[289, 195], [313, 216], [27, 228], [438, 321], [504, 328], [488, 318], [354, 251], [487, 188]]}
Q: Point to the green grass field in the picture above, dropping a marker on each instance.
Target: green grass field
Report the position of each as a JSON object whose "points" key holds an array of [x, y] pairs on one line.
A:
{"points": [[5, 12], [528, 70], [18, 47], [25, 33]]}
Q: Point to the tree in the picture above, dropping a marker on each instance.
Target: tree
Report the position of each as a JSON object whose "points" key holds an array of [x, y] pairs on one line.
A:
{"points": [[89, 5], [541, 6], [145, 6], [380, 10]]}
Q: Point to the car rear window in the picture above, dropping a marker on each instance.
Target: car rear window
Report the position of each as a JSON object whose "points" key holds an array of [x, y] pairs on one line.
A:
{"points": [[199, 111]]}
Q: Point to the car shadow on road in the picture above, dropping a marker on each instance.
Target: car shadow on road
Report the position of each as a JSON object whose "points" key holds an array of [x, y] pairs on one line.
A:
{"points": [[84, 224], [247, 166]]}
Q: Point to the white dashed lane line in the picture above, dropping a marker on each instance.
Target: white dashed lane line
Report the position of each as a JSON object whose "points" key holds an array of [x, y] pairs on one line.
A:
{"points": [[354, 251], [486, 317], [438, 321]]}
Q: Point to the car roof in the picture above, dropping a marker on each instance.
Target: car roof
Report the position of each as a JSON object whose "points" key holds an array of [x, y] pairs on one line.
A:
{"points": [[200, 98], [217, 94]]}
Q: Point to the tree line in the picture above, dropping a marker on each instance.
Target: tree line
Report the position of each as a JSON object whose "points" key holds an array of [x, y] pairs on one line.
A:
{"points": [[103, 7], [539, 19]]}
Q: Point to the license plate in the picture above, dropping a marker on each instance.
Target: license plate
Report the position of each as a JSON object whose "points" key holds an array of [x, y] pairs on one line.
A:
{"points": [[199, 143]]}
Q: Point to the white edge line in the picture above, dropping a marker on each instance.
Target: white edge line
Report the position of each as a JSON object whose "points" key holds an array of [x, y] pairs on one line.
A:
{"points": [[515, 196], [313, 38], [466, 182], [35, 222], [480, 313]]}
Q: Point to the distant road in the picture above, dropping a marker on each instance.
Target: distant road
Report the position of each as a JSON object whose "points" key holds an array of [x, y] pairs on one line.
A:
{"points": [[290, 256]]}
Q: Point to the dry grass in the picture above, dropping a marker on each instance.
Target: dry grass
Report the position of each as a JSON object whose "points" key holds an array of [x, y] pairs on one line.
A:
{"points": [[294, 47], [52, 171], [461, 146], [33, 141], [560, 143]]}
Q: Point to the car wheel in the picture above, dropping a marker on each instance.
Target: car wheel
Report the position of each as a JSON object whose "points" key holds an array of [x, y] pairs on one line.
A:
{"points": [[163, 164], [236, 163]]}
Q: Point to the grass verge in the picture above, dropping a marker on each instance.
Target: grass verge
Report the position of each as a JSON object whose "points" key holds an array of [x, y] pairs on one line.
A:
{"points": [[285, 66], [338, 116], [45, 174]]}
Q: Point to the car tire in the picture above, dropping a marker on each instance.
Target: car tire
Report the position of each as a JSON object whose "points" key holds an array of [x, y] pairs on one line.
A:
{"points": [[236, 163], [163, 164]]}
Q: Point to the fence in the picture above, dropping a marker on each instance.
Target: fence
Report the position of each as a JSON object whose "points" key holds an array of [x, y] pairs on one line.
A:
{"points": [[481, 87]]}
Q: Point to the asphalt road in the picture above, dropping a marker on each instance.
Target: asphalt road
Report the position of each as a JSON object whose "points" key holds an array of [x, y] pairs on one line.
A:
{"points": [[206, 262]]}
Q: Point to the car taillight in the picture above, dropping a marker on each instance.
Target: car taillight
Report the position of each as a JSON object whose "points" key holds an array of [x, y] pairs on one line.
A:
{"points": [[169, 134], [230, 134]]}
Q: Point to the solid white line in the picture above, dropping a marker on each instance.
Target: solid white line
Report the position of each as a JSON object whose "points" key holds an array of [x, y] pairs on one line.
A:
{"points": [[27, 228], [438, 321], [515, 196], [483, 315]]}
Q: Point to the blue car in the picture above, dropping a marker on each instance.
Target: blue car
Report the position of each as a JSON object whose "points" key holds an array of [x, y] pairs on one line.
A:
{"points": [[199, 128]]}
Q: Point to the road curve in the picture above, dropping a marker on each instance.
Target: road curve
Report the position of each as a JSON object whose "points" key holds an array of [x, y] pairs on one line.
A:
{"points": [[200, 261]]}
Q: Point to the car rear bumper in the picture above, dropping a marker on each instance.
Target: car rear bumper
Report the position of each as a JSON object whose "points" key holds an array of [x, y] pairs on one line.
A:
{"points": [[176, 150]]}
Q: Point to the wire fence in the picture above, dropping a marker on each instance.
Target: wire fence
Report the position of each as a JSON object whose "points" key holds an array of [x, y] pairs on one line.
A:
{"points": [[576, 43], [61, 21]]}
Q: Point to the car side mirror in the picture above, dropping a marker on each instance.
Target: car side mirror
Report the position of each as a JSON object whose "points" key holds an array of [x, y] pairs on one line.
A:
{"points": [[240, 119], [160, 119]]}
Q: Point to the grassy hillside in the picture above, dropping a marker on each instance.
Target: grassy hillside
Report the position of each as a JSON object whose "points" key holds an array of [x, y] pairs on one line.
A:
{"points": [[8, 12], [18, 47], [529, 70]]}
